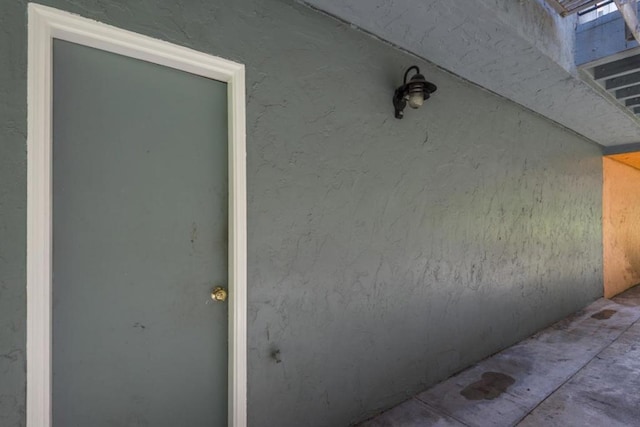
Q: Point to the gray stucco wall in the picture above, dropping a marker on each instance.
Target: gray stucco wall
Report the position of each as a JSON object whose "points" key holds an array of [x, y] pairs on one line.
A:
{"points": [[384, 254]]}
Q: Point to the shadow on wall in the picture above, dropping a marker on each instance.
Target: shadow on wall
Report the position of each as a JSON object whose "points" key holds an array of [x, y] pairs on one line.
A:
{"points": [[461, 338]]}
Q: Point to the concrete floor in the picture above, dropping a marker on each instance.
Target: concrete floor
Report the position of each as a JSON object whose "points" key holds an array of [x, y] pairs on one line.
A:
{"points": [[581, 371]]}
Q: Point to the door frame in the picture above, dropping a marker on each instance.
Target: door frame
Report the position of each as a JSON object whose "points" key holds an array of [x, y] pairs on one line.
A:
{"points": [[46, 24]]}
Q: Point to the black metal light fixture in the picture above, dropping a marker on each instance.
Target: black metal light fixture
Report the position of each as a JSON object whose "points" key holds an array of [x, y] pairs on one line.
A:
{"points": [[414, 92]]}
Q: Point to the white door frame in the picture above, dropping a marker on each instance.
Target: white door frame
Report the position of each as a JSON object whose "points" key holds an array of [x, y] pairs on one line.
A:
{"points": [[46, 24]]}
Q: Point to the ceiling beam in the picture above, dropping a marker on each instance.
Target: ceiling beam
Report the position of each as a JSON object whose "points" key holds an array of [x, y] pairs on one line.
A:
{"points": [[628, 92], [623, 81], [628, 10], [632, 102], [616, 68], [618, 149], [566, 8]]}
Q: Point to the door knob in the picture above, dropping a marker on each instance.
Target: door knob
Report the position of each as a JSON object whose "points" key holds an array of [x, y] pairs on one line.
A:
{"points": [[219, 294]]}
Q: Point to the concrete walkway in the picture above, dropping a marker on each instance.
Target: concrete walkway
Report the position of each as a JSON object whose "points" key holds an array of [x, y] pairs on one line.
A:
{"points": [[581, 371]]}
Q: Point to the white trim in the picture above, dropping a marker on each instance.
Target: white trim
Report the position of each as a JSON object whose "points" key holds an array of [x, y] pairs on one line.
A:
{"points": [[45, 24]]}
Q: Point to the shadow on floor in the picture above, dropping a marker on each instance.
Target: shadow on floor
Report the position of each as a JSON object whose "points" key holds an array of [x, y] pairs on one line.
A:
{"points": [[582, 371]]}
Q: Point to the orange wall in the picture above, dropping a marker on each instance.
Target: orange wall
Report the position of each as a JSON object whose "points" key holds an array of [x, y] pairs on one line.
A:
{"points": [[621, 224]]}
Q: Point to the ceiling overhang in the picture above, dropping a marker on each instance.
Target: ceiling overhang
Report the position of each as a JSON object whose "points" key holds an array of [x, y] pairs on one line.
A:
{"points": [[523, 51], [619, 77]]}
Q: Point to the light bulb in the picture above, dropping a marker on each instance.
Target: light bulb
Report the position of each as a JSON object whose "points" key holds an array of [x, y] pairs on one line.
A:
{"points": [[416, 99]]}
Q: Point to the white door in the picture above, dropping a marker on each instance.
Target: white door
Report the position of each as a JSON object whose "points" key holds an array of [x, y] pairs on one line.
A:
{"points": [[141, 216]]}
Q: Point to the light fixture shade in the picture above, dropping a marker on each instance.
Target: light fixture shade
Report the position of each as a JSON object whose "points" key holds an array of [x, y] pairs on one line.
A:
{"points": [[414, 92]]}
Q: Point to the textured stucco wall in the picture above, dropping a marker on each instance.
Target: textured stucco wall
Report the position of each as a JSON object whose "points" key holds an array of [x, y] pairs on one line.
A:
{"points": [[384, 254], [620, 226]]}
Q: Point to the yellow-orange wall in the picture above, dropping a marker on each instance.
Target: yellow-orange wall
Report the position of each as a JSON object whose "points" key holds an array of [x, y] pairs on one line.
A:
{"points": [[621, 225]]}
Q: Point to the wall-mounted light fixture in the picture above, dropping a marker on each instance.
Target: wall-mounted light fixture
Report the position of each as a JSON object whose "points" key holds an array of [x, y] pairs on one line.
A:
{"points": [[414, 92]]}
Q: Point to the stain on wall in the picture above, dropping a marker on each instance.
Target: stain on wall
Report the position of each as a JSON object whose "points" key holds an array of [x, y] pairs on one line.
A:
{"points": [[620, 224], [384, 254]]}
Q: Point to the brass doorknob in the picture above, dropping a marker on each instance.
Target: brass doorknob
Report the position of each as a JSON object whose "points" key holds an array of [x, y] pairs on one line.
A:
{"points": [[219, 294]]}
